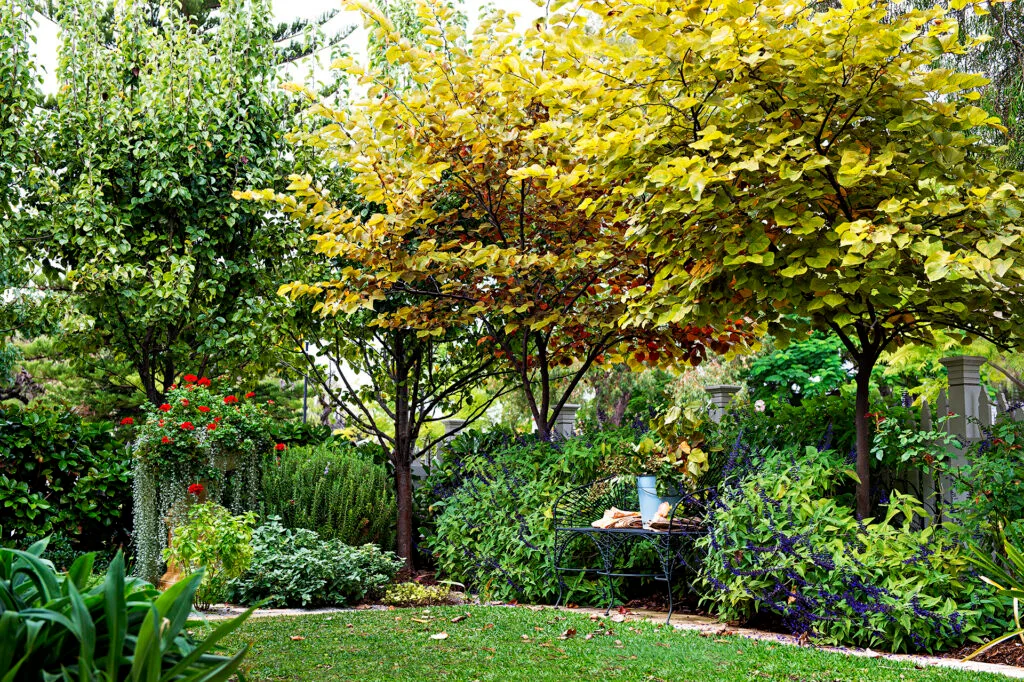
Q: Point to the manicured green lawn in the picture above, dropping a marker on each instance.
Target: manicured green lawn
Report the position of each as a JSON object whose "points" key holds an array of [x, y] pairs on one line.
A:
{"points": [[520, 644]]}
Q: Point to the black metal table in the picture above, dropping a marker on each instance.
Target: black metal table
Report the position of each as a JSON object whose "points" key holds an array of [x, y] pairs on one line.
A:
{"points": [[576, 509]]}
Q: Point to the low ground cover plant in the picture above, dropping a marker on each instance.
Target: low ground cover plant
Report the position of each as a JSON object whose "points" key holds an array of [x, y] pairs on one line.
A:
{"points": [[299, 568], [76, 626], [416, 594]]}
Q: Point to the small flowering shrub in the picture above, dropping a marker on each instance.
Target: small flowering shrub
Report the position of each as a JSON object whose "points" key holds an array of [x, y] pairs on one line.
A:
{"points": [[215, 541], [198, 435], [299, 568], [780, 543]]}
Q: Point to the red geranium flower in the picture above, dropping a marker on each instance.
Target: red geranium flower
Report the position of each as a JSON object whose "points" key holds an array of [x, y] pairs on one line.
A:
{"points": [[191, 378], [187, 426], [165, 440], [174, 386], [228, 399], [270, 402], [212, 426], [196, 489], [184, 401], [216, 420], [204, 409], [165, 407], [161, 422], [203, 381], [279, 447], [250, 394], [127, 421]]}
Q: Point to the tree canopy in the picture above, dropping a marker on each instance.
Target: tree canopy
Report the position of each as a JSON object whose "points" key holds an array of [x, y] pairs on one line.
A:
{"points": [[791, 159], [149, 136], [483, 221]]}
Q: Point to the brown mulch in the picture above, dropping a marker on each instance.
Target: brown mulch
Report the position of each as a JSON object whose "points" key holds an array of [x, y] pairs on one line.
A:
{"points": [[1010, 652]]}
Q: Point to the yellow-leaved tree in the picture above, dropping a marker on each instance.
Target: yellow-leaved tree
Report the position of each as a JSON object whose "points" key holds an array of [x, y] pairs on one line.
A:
{"points": [[477, 219], [796, 157]]}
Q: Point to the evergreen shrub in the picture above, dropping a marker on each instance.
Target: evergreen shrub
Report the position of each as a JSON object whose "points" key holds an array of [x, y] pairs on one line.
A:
{"points": [[335, 489]]}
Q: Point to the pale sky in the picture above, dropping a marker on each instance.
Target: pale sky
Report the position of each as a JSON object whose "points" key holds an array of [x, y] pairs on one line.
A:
{"points": [[286, 10]]}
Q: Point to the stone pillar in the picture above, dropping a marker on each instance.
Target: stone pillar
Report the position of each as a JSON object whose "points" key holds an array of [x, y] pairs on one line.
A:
{"points": [[451, 426], [565, 422], [721, 396], [964, 372], [964, 395]]}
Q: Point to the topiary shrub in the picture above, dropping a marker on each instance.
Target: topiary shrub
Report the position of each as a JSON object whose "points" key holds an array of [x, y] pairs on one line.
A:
{"points": [[61, 475], [334, 489], [298, 568], [780, 543]]}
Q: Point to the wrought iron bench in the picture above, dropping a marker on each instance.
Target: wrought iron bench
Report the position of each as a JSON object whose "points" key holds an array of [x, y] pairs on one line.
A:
{"points": [[577, 508]]}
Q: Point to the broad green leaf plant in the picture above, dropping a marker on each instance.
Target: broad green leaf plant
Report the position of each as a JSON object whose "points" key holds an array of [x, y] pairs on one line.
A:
{"points": [[75, 626]]}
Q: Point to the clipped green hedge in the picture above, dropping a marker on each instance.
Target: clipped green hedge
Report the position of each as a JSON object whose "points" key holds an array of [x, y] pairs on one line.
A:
{"points": [[334, 489]]}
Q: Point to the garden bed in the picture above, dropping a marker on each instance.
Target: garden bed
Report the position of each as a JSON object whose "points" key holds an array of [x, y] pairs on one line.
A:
{"points": [[1010, 652]]}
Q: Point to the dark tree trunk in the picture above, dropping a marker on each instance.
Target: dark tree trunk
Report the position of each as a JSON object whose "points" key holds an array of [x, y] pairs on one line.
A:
{"points": [[403, 452], [865, 363], [403, 490]]}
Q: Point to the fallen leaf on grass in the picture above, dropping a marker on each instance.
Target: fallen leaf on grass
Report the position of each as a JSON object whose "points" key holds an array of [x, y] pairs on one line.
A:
{"points": [[488, 626], [618, 618], [297, 638], [348, 625], [526, 638], [589, 635], [459, 619], [420, 620], [440, 635], [571, 632]]}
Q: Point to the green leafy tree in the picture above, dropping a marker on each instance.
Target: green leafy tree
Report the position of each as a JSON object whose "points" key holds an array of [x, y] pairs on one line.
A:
{"points": [[803, 369], [23, 310], [150, 133], [801, 162]]}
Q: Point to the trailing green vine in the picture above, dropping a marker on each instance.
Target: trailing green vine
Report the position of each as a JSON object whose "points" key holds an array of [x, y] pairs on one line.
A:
{"points": [[197, 436]]}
